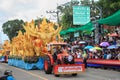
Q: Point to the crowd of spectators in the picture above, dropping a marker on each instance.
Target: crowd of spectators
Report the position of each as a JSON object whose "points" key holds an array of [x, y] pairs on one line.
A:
{"points": [[108, 54]]}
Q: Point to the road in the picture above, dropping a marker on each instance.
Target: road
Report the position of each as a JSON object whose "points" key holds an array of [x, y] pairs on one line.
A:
{"points": [[90, 74]]}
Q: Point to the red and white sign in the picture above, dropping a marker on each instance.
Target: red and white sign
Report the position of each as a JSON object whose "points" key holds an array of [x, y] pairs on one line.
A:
{"points": [[70, 69], [101, 61]]}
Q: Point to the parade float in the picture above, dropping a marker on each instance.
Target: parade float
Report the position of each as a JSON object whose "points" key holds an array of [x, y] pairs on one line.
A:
{"points": [[28, 49], [1, 56], [4, 52]]}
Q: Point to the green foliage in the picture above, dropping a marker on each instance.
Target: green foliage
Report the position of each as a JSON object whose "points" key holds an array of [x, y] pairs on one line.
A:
{"points": [[11, 28], [85, 2], [67, 17], [109, 6], [67, 11], [67, 21], [33, 59], [39, 20], [15, 57]]}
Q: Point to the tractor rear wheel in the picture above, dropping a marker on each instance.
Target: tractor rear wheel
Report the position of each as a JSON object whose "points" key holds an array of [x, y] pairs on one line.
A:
{"points": [[56, 75], [47, 65], [75, 74]]}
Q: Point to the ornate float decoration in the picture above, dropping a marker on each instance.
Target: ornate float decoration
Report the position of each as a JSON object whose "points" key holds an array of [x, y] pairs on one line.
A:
{"points": [[31, 45], [5, 51]]}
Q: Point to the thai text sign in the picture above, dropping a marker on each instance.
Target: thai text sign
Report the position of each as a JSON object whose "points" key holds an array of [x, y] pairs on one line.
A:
{"points": [[81, 15], [70, 69]]}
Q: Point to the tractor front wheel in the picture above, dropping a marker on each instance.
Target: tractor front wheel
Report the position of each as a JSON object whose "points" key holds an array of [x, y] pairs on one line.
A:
{"points": [[47, 65]]}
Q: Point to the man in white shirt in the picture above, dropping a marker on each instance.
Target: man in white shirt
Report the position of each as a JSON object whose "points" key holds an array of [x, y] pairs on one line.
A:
{"points": [[109, 55]]}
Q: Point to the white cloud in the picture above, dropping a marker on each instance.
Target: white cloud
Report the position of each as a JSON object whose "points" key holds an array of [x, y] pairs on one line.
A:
{"points": [[5, 5], [26, 9]]}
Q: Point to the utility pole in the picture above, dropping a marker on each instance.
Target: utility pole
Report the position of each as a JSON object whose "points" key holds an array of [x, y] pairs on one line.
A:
{"points": [[98, 27], [56, 12]]}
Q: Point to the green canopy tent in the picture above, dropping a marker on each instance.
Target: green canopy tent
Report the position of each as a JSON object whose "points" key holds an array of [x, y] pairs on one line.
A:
{"points": [[63, 32], [88, 27], [69, 30], [72, 29], [112, 20]]}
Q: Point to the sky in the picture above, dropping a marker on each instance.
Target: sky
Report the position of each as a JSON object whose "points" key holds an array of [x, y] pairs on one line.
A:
{"points": [[25, 10]]}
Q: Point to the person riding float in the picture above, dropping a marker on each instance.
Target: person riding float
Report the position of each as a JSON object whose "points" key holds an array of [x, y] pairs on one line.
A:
{"points": [[64, 57]]}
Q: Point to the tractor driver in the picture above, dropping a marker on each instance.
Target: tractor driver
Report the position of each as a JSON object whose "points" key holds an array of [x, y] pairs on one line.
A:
{"points": [[65, 50], [56, 51], [63, 54]]}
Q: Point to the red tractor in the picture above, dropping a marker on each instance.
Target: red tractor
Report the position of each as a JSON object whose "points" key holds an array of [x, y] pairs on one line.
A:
{"points": [[60, 61]]}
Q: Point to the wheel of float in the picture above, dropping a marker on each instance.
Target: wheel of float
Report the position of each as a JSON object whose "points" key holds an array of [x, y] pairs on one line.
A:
{"points": [[75, 74], [56, 75], [47, 65]]}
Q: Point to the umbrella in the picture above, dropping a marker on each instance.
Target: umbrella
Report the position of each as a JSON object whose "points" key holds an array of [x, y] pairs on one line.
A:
{"points": [[112, 47], [104, 44], [74, 47], [97, 48], [92, 50], [118, 45], [88, 47], [82, 42]]}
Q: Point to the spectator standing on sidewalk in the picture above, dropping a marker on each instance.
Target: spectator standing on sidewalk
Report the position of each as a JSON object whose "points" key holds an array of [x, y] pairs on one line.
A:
{"points": [[85, 57]]}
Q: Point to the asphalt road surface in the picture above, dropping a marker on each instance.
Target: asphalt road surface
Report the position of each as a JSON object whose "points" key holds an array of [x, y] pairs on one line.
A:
{"points": [[90, 74]]}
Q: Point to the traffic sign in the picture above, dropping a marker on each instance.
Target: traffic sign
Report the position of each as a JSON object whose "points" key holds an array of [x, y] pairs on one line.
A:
{"points": [[81, 15]]}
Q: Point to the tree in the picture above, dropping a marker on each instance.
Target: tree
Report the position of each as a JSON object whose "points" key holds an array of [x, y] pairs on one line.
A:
{"points": [[11, 28], [67, 14], [86, 2], [39, 20], [109, 6]]}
